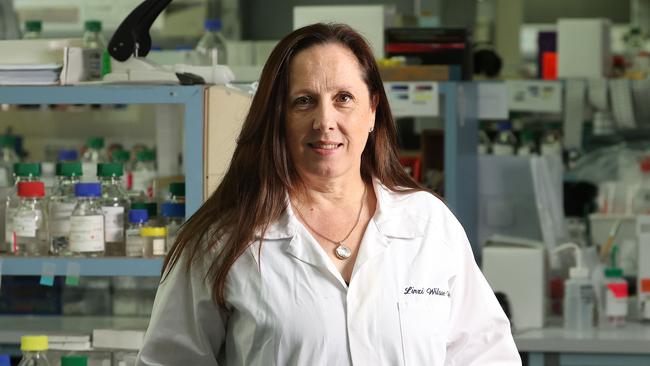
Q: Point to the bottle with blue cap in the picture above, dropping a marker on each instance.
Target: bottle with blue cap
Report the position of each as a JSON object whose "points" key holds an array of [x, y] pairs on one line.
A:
{"points": [[505, 141], [211, 49], [68, 155], [115, 204], [87, 221], [173, 217], [61, 204], [138, 219]]}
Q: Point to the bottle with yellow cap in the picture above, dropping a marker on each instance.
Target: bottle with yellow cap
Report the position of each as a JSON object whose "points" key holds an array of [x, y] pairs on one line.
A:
{"points": [[33, 348], [154, 241]]}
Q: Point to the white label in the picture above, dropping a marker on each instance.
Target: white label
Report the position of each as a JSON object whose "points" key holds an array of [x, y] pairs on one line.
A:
{"points": [[25, 226], [9, 229], [60, 218], [113, 224], [87, 233], [615, 306], [4, 177], [142, 180], [158, 246]]}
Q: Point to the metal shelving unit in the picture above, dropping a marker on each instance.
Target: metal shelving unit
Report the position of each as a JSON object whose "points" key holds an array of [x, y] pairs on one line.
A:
{"points": [[191, 98]]}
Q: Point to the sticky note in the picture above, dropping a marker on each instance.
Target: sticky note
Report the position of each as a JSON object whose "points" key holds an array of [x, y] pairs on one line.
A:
{"points": [[47, 274], [72, 274]]}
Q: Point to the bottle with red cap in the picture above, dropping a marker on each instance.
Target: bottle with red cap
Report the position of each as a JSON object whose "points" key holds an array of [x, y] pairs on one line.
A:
{"points": [[30, 221], [641, 202]]}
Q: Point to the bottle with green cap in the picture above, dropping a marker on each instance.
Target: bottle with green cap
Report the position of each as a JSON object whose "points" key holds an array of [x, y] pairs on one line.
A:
{"points": [[144, 172], [615, 293], [23, 172], [8, 158], [115, 204], [94, 45], [33, 29], [527, 146], [124, 157], [152, 211], [34, 349], [177, 192], [61, 203], [95, 153], [74, 360]]}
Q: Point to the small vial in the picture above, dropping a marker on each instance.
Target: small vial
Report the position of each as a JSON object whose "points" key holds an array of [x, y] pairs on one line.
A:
{"points": [[134, 241], [87, 221], [30, 221], [154, 241], [173, 217]]}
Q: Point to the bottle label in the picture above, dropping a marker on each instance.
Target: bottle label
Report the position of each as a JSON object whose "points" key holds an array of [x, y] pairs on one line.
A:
{"points": [[134, 243], [587, 294], [113, 224], [9, 230], [616, 299], [87, 233], [158, 246], [25, 226], [60, 213]]}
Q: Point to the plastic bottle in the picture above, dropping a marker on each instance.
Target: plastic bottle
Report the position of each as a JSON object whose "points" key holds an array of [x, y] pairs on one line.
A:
{"points": [[33, 29], [93, 155], [30, 221], [505, 141], [134, 242], [74, 360], [641, 202], [61, 204], [94, 44], [552, 140], [579, 294], [211, 49], [87, 221], [34, 349], [154, 241], [115, 203], [527, 147], [23, 172], [173, 217], [8, 158], [144, 172], [615, 294]]}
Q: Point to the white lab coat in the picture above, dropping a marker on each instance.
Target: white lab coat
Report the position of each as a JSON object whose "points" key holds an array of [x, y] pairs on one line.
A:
{"points": [[416, 297]]}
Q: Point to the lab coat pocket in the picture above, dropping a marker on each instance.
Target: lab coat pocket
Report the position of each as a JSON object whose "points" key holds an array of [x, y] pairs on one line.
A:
{"points": [[424, 324]]}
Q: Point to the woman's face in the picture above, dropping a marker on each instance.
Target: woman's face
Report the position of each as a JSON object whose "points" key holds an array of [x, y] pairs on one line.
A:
{"points": [[329, 112]]}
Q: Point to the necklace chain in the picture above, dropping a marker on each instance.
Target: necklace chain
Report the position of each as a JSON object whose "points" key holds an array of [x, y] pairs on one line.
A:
{"points": [[340, 242]]}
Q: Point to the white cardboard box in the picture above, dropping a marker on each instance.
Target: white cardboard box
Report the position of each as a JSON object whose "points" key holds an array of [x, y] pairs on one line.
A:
{"points": [[583, 47]]}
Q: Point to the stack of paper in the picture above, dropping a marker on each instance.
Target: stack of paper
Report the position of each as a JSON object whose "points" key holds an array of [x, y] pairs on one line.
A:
{"points": [[38, 74]]}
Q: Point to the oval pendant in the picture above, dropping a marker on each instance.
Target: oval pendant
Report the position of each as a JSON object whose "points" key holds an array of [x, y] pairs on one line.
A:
{"points": [[343, 252]]}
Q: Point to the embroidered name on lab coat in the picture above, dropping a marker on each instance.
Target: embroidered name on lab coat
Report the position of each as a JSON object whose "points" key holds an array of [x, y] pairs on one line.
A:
{"points": [[426, 291]]}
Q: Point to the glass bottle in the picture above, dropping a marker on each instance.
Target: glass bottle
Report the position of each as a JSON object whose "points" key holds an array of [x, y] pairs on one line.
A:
{"points": [[74, 360], [115, 203], [8, 158], [144, 172], [23, 172], [124, 157], [134, 242], [95, 44], [173, 217], [33, 29], [34, 349], [60, 207], [94, 154], [154, 241], [211, 49], [177, 192], [30, 221], [87, 221], [152, 211], [505, 142]]}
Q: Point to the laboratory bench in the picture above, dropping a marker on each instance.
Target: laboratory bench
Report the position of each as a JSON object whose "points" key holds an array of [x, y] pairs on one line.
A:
{"points": [[554, 346]]}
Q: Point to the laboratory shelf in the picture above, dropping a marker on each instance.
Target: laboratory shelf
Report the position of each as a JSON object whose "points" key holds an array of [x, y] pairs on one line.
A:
{"points": [[59, 266]]}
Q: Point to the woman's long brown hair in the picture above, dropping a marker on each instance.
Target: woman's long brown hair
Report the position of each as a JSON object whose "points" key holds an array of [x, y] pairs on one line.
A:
{"points": [[253, 192]]}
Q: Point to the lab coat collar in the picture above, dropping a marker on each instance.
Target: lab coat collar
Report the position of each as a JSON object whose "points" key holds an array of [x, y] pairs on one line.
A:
{"points": [[393, 218]]}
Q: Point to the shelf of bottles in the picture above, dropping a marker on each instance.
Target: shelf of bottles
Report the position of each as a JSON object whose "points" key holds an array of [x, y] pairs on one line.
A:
{"points": [[96, 242]]}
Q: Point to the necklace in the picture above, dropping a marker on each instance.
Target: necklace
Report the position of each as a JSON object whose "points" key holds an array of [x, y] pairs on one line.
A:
{"points": [[342, 252]]}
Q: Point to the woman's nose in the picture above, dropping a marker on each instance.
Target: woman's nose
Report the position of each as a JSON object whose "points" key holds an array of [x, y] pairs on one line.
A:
{"points": [[325, 118]]}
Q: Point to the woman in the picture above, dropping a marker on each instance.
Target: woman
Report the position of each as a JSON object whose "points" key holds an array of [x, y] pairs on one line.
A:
{"points": [[317, 248]]}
